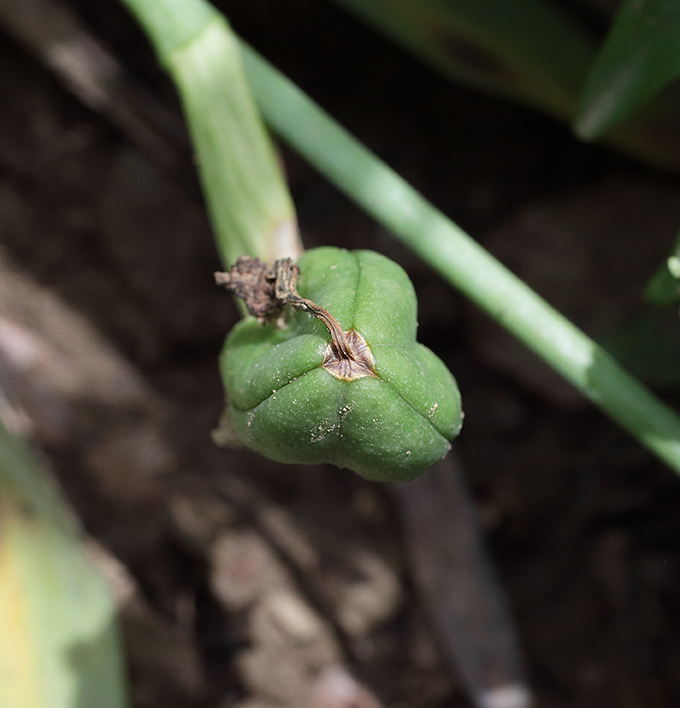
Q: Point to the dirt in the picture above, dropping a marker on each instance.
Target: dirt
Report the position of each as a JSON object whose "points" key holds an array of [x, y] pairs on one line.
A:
{"points": [[258, 584]]}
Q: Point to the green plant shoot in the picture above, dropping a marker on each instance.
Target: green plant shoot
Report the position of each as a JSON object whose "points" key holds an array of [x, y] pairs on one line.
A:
{"points": [[344, 379]]}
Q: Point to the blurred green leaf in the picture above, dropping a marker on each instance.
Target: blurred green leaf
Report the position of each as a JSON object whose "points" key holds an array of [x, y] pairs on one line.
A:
{"points": [[664, 286], [649, 347], [59, 644], [522, 49], [640, 56]]}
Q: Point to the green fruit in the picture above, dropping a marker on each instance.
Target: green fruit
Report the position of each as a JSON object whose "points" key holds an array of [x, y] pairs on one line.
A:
{"points": [[389, 419]]}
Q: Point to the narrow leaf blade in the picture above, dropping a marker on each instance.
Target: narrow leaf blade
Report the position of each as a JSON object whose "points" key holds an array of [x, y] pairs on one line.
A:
{"points": [[59, 644], [522, 49], [640, 57]]}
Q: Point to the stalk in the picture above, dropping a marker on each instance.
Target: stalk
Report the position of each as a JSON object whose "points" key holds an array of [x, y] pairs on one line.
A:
{"points": [[249, 204]]}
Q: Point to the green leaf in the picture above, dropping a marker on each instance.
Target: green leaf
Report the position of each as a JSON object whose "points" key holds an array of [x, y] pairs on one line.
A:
{"points": [[522, 49], [287, 406], [664, 286], [640, 56], [649, 346], [59, 643]]}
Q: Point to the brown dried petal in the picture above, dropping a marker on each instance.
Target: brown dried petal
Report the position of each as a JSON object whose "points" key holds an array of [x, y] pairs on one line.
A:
{"points": [[357, 363], [251, 280]]}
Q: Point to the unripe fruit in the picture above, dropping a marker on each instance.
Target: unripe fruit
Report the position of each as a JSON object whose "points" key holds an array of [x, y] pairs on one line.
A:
{"points": [[378, 403]]}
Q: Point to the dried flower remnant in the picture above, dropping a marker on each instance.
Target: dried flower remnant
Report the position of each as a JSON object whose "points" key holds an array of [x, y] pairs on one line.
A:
{"points": [[251, 280], [267, 291]]}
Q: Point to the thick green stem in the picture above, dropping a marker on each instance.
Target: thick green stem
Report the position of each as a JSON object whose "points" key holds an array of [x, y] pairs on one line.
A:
{"points": [[457, 257], [250, 207]]}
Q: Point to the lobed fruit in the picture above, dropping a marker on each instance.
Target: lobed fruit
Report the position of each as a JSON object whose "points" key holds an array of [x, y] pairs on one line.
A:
{"points": [[389, 418]]}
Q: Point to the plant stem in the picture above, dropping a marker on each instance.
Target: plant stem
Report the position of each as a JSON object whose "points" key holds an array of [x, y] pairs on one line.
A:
{"points": [[458, 258], [248, 199]]}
